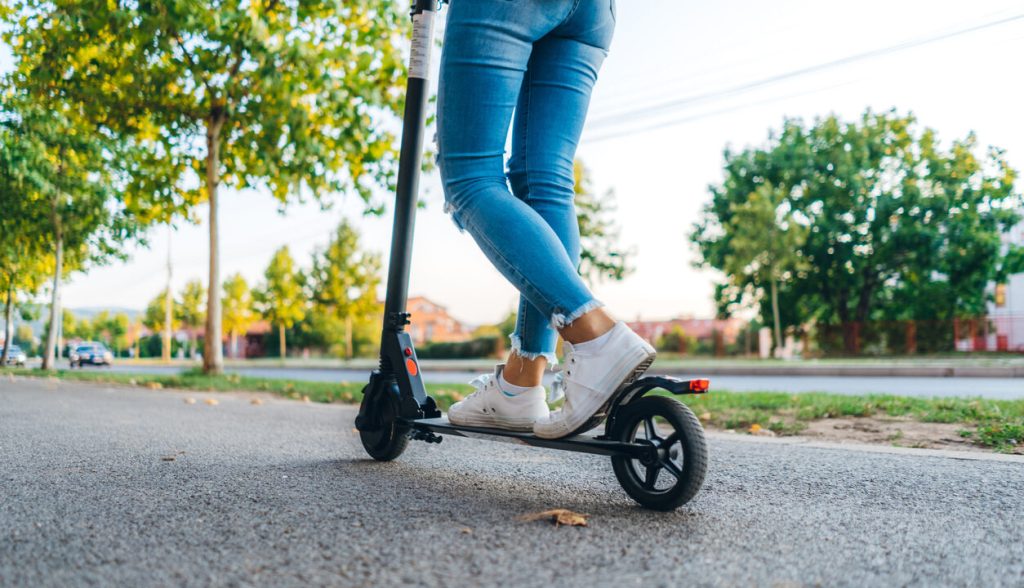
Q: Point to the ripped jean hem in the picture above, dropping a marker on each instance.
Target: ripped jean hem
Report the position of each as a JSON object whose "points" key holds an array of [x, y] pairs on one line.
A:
{"points": [[517, 348], [560, 321]]}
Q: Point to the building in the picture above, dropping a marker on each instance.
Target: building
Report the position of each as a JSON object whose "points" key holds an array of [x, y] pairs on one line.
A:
{"points": [[1006, 311], [430, 321], [700, 329]]}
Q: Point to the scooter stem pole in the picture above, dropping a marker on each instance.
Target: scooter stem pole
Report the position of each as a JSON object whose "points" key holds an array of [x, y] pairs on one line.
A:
{"points": [[410, 158]]}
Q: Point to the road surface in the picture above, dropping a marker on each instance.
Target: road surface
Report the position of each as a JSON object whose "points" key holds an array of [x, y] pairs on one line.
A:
{"points": [[1002, 388], [280, 493]]}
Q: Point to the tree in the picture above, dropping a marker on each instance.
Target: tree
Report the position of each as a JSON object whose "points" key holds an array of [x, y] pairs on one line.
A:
{"points": [[281, 300], [155, 319], [238, 309], [19, 275], [766, 245], [898, 227], [600, 256], [191, 312], [66, 178], [26, 338], [270, 93], [344, 281]]}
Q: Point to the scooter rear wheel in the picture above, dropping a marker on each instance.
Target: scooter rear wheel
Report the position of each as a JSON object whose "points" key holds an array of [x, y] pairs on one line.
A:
{"points": [[384, 439], [675, 471]]}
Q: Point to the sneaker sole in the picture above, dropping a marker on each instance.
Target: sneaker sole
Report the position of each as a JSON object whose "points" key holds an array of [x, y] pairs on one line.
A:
{"points": [[602, 411], [489, 422]]}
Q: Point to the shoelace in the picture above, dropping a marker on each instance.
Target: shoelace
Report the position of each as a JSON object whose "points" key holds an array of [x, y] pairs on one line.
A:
{"points": [[481, 382], [561, 370]]}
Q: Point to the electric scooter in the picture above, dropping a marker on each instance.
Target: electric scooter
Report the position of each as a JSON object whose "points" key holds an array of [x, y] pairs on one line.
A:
{"points": [[656, 444]]}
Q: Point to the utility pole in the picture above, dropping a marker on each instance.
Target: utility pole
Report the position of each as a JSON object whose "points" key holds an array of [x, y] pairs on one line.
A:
{"points": [[165, 350]]}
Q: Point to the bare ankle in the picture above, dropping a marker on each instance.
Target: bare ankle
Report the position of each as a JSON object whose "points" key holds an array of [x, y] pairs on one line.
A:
{"points": [[589, 326], [521, 371]]}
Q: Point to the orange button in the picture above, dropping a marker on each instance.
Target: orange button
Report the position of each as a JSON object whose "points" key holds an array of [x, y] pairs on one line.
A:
{"points": [[410, 366]]}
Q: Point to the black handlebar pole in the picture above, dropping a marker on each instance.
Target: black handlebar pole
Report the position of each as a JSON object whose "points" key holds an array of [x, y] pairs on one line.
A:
{"points": [[410, 158]]}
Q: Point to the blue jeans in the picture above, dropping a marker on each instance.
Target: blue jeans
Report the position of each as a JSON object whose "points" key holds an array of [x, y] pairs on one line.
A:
{"points": [[531, 63]]}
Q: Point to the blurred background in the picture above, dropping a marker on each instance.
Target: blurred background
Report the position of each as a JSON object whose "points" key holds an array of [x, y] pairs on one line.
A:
{"points": [[758, 184]]}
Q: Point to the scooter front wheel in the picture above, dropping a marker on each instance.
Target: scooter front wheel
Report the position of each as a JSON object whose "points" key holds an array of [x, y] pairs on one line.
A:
{"points": [[673, 473], [383, 437]]}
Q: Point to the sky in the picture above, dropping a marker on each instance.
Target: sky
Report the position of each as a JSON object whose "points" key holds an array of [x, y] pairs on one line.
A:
{"points": [[659, 166]]}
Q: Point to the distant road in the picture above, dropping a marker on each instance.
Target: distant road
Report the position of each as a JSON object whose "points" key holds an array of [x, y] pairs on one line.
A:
{"points": [[1002, 388]]}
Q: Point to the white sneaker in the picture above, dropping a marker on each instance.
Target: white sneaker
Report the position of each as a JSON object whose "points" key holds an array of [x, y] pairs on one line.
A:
{"points": [[490, 406], [591, 378]]}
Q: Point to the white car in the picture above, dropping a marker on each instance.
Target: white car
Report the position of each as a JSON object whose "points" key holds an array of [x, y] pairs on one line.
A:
{"points": [[15, 356], [91, 354]]}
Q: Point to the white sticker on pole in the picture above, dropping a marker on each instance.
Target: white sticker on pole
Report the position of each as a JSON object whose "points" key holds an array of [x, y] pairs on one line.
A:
{"points": [[422, 43]]}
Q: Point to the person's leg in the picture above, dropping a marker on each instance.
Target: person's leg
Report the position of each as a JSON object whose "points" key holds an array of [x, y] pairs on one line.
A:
{"points": [[549, 118], [485, 56]]}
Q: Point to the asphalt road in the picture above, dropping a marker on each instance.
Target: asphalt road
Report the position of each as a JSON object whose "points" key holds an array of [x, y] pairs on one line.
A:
{"points": [[281, 494], [1003, 388]]}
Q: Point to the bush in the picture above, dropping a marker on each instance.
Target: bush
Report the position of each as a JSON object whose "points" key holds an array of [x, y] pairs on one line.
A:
{"points": [[676, 340], [478, 347]]}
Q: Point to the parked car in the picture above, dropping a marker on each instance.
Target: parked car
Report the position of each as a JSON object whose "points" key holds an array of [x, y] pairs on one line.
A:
{"points": [[91, 354], [16, 357]]}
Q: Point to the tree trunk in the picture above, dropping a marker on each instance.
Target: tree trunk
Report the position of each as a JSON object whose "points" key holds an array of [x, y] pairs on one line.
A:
{"points": [[775, 317], [282, 347], [55, 311], [8, 323], [165, 350], [213, 356], [348, 337]]}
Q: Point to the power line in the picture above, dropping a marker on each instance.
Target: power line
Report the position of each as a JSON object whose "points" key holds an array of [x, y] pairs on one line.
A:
{"points": [[695, 117], [626, 94], [646, 112]]}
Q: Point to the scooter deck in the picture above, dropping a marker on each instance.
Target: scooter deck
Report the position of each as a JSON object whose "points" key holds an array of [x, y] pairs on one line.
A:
{"points": [[579, 443]]}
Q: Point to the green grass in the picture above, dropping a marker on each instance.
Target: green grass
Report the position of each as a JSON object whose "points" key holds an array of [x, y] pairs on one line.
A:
{"points": [[997, 424]]}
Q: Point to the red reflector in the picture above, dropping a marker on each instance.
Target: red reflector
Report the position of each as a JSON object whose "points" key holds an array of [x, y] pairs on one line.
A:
{"points": [[408, 352], [410, 366], [699, 385]]}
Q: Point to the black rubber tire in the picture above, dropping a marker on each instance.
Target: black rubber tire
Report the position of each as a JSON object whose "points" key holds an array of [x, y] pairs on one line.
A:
{"points": [[388, 440], [694, 452]]}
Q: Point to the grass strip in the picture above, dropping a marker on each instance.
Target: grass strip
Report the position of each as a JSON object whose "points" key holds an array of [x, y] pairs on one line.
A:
{"points": [[997, 424]]}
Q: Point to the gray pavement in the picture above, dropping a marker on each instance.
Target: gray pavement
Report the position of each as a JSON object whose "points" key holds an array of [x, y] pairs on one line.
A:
{"points": [[281, 494], [1002, 388]]}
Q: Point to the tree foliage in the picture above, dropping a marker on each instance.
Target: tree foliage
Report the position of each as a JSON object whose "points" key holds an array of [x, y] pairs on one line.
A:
{"points": [[600, 256], [344, 282], [155, 314], [281, 299], [897, 226], [260, 94], [238, 309]]}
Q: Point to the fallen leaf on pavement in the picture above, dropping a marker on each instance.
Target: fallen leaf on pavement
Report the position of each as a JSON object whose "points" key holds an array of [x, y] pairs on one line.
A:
{"points": [[705, 416], [168, 458], [154, 385], [559, 516], [211, 401], [755, 428], [190, 401], [466, 530], [256, 401]]}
